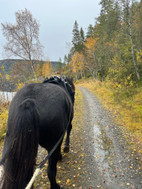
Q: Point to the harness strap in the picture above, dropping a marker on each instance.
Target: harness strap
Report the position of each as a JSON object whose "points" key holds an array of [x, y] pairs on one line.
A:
{"points": [[51, 152], [38, 169], [61, 81]]}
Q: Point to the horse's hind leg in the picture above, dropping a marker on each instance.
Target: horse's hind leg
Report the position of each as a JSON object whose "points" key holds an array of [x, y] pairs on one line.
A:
{"points": [[52, 169], [67, 141]]}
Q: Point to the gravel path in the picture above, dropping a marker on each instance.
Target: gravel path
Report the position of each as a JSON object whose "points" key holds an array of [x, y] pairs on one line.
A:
{"points": [[99, 156], [109, 162]]}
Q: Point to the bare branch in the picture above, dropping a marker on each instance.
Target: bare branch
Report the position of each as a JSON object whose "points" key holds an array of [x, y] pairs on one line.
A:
{"points": [[23, 37]]}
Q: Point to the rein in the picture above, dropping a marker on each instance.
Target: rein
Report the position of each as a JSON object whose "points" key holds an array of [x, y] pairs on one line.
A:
{"points": [[39, 168], [37, 171]]}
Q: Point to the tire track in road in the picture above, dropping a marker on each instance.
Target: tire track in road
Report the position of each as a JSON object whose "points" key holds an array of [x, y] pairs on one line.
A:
{"points": [[108, 159]]}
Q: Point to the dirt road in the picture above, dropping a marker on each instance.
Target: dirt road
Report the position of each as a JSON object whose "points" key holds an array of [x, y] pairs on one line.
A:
{"points": [[99, 157], [109, 162]]}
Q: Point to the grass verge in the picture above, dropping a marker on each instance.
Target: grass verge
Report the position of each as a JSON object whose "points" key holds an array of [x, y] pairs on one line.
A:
{"points": [[125, 106], [3, 123]]}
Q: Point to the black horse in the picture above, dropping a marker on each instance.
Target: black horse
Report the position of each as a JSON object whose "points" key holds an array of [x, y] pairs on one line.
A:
{"points": [[39, 114]]}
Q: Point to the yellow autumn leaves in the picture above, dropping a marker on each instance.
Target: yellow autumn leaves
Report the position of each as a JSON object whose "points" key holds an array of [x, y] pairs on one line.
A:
{"points": [[80, 60], [125, 104], [44, 70], [3, 122], [139, 56], [47, 69]]}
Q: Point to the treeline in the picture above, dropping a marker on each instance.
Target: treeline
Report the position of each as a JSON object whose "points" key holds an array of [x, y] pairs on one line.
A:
{"points": [[20, 72], [112, 48], [22, 42]]}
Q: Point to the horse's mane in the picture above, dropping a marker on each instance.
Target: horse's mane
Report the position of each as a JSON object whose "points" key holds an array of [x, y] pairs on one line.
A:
{"points": [[63, 81], [57, 80]]}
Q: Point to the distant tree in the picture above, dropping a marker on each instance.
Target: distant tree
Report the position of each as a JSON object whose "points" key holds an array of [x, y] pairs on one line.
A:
{"points": [[65, 59], [39, 70], [109, 19], [82, 40], [59, 65], [47, 70], [90, 31], [78, 65], [76, 37], [92, 65], [23, 37], [20, 72], [2, 78], [82, 37]]}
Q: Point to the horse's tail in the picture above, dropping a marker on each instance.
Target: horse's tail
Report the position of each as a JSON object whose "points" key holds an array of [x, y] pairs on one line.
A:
{"points": [[22, 145]]}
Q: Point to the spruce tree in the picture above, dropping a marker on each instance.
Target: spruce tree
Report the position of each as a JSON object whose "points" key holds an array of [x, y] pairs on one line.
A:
{"points": [[82, 40], [90, 31], [65, 59], [76, 37], [109, 19]]}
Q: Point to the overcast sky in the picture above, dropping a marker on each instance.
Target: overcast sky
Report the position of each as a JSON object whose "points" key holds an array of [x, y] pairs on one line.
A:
{"points": [[56, 18]]}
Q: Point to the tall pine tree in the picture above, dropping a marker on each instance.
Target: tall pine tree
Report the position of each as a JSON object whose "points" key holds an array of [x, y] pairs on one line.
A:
{"points": [[109, 19], [90, 31], [78, 38]]}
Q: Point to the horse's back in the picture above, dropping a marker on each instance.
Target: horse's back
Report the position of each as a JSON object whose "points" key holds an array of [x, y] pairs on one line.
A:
{"points": [[54, 107], [45, 95]]}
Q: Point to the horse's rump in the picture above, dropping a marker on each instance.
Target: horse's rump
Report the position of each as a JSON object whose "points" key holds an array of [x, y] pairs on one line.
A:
{"points": [[38, 114]]}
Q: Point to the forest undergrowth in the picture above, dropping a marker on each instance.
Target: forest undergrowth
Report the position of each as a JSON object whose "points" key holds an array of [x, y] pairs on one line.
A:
{"points": [[3, 122]]}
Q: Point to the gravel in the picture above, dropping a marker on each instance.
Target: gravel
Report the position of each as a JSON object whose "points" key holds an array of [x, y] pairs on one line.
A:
{"points": [[110, 164], [99, 157]]}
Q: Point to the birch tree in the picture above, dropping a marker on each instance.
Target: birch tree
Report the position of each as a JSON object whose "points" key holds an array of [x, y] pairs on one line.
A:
{"points": [[23, 38]]}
